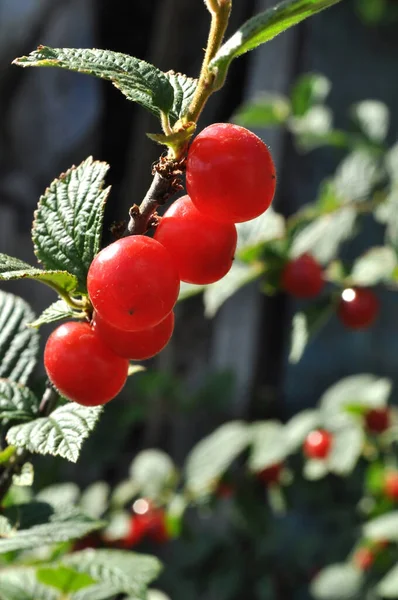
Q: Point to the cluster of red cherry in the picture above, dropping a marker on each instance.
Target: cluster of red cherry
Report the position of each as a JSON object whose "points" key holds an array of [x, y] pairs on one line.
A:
{"points": [[133, 284], [303, 278]]}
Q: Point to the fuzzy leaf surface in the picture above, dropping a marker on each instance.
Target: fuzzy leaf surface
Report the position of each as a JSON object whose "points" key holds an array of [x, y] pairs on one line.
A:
{"points": [[138, 80], [55, 312], [19, 345], [17, 402], [61, 434], [68, 221], [184, 89]]}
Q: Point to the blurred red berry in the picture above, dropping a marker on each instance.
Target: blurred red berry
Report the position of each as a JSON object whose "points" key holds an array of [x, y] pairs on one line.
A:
{"points": [[224, 490], [377, 420], [302, 277], [318, 444], [391, 485], [358, 308], [363, 559], [270, 474]]}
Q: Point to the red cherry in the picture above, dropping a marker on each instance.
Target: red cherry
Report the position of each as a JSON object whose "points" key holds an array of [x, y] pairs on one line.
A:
{"points": [[82, 367], [230, 173], [270, 474], [224, 490], [135, 345], [391, 485], [318, 444], [377, 420], [202, 249], [303, 277], [358, 308], [133, 283], [363, 559], [152, 524]]}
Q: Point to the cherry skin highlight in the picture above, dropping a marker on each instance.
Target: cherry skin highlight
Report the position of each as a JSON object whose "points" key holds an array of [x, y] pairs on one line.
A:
{"points": [[135, 345], [230, 173], [318, 444], [361, 311], [133, 284], [82, 367], [303, 277], [202, 249]]}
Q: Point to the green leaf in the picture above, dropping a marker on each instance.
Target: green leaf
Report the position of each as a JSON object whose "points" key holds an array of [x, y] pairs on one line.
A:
{"points": [[366, 390], [153, 472], [268, 226], [68, 222], [5, 527], [19, 345], [17, 402], [61, 528], [239, 275], [375, 266], [373, 119], [127, 572], [384, 527], [337, 582], [299, 426], [314, 129], [315, 469], [157, 595], [138, 80], [268, 445], [94, 500], [323, 236], [372, 12], [64, 579], [306, 325], [308, 90], [184, 90], [20, 583], [388, 586], [57, 311], [13, 268], [357, 175], [209, 459], [187, 290], [265, 110], [60, 434], [264, 27], [346, 450], [60, 495], [25, 477]]}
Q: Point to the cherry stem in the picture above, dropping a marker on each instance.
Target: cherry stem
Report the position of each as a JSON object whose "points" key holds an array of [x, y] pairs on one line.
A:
{"points": [[220, 13]]}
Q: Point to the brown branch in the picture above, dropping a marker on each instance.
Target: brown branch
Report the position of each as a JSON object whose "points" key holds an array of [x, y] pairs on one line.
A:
{"points": [[166, 182]]}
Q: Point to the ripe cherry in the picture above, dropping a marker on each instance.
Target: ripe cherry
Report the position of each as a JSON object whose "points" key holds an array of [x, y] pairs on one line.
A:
{"points": [[270, 474], [318, 444], [135, 345], [303, 277], [133, 283], [202, 249], [230, 173], [391, 485], [82, 367], [363, 558], [358, 308], [377, 420]]}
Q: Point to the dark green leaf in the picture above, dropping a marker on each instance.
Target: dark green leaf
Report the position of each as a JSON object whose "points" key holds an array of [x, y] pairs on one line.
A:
{"points": [[309, 89], [13, 268], [209, 459], [265, 26], [375, 478], [56, 312], [264, 111], [17, 402], [184, 90], [337, 582], [128, 572], [138, 80], [60, 434], [68, 222], [65, 579], [18, 344]]}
